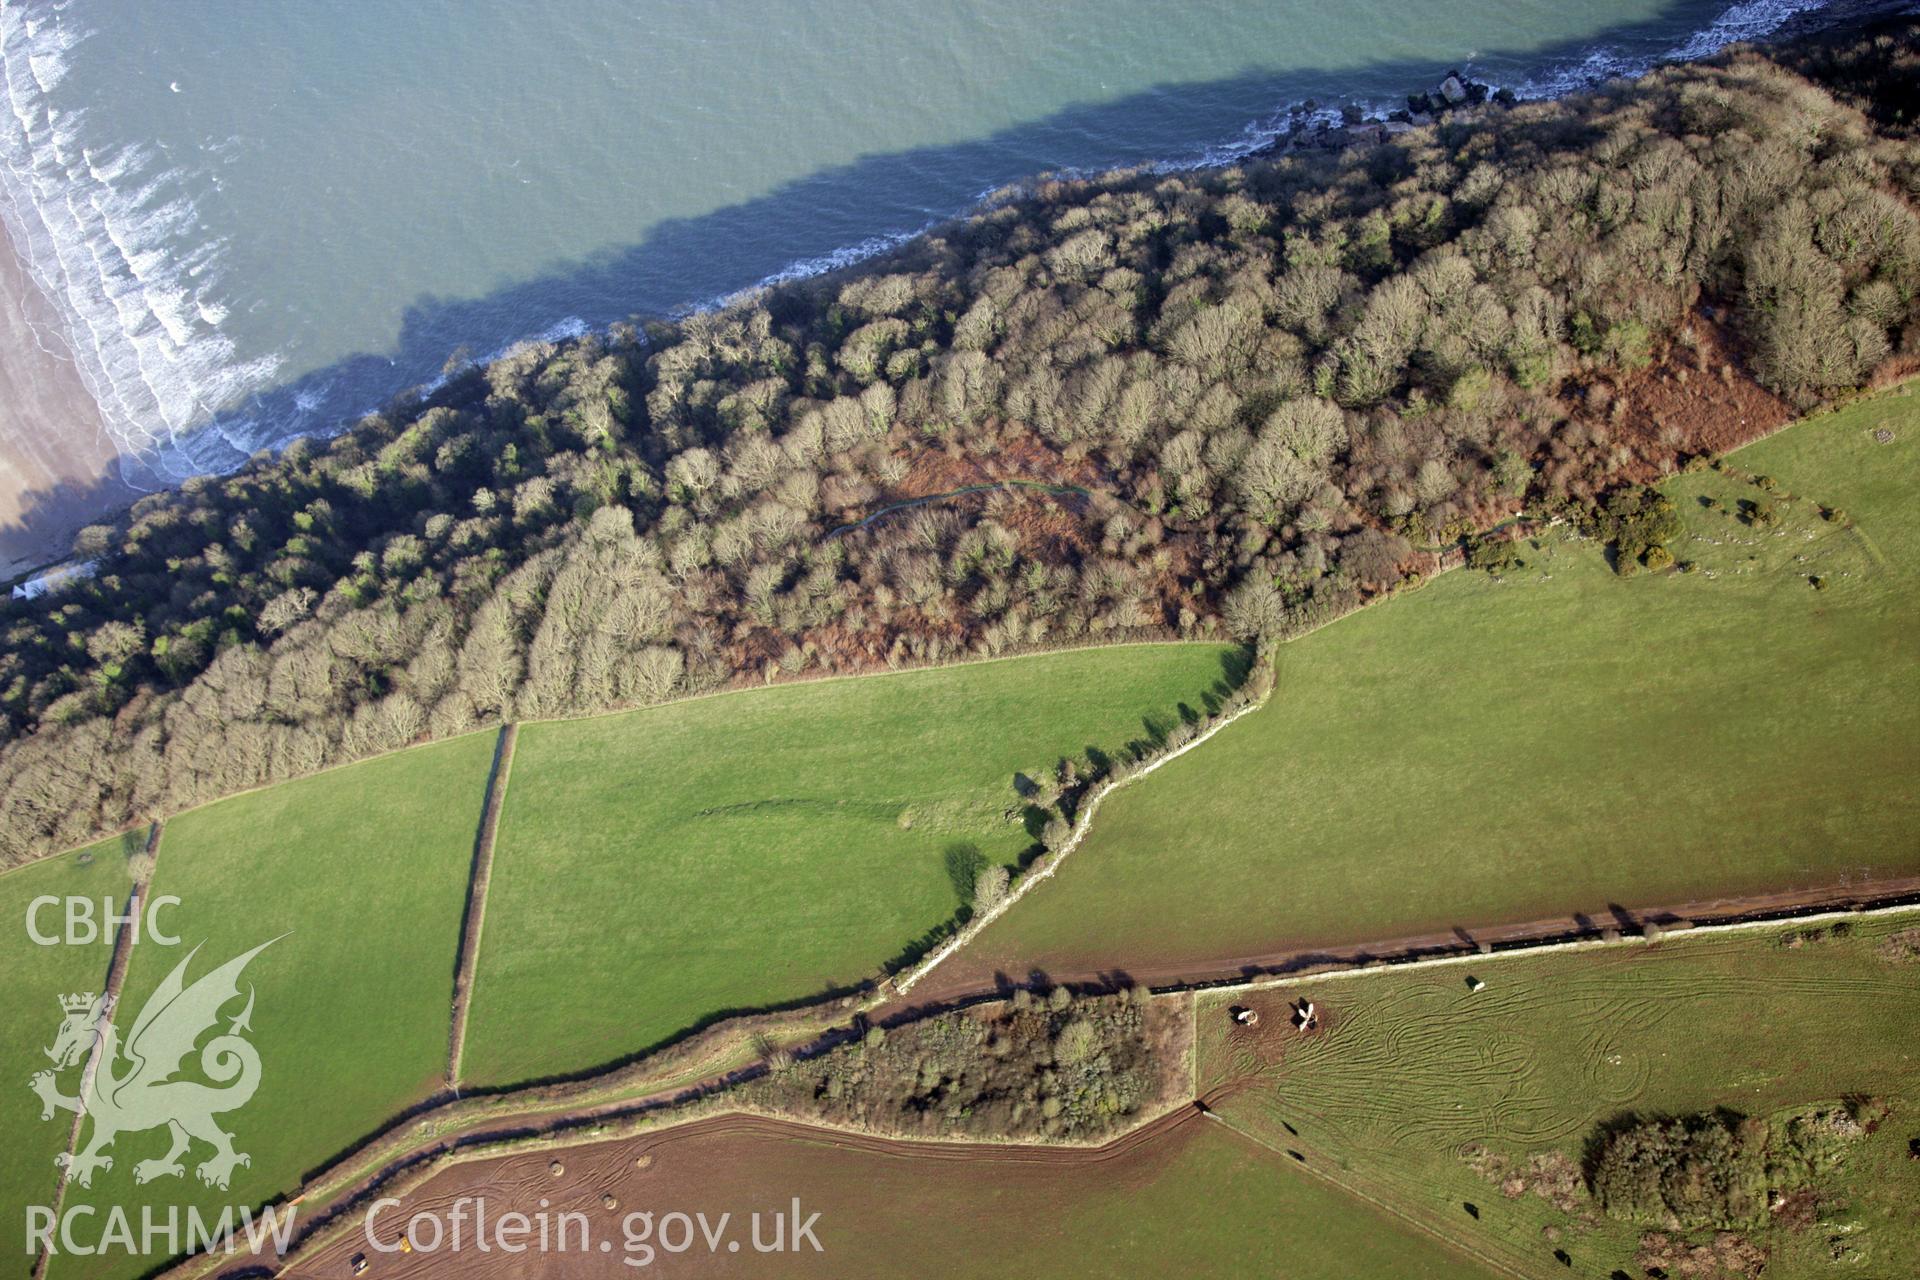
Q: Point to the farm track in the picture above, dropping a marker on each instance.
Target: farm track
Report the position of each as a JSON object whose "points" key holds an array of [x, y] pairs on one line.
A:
{"points": [[744, 1124], [741, 1124], [481, 875], [1199, 974], [412, 1167]]}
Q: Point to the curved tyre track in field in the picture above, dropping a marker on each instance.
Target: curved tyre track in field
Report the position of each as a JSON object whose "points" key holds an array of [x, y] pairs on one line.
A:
{"points": [[414, 1168]]}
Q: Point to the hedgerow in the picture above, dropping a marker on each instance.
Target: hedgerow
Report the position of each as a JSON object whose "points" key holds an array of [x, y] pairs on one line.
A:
{"points": [[1257, 391]]}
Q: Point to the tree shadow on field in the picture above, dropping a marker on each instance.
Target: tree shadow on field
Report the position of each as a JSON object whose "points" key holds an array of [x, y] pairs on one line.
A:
{"points": [[686, 261], [1236, 666], [1156, 729], [964, 863]]}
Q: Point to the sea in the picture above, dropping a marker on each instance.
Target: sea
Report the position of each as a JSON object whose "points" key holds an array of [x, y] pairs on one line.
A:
{"points": [[259, 219]]}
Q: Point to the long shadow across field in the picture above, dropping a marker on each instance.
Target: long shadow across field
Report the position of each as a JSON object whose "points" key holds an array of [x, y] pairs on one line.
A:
{"points": [[683, 261], [857, 1025], [964, 861]]}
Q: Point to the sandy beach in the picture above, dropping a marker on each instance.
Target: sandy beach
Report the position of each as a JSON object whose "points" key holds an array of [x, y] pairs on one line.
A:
{"points": [[57, 463]]}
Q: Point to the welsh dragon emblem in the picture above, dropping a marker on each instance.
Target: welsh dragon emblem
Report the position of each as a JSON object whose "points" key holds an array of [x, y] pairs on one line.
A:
{"points": [[134, 1087]]}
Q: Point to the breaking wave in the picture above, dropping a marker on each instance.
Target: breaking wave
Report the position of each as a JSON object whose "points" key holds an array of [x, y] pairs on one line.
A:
{"points": [[807, 268], [112, 237], [1751, 20]]}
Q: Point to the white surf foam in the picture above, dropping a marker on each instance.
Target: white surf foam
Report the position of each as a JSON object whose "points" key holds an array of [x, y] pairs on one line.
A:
{"points": [[807, 268], [559, 331], [108, 228], [1750, 20], [111, 234], [1742, 21]]}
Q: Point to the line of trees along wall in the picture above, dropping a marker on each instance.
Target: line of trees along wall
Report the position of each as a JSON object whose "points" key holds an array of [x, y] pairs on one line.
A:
{"points": [[1275, 380]]}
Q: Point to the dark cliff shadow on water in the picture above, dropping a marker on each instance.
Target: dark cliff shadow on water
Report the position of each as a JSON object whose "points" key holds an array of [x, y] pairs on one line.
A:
{"points": [[686, 262]]}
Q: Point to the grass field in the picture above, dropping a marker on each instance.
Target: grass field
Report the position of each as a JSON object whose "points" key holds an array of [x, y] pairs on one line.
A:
{"points": [[1223, 1207], [363, 870], [35, 978], [658, 867], [1412, 1068], [1486, 750]]}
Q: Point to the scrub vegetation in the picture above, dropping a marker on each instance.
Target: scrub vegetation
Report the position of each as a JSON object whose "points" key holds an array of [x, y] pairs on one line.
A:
{"points": [[1263, 387], [1549, 737], [1035, 1069], [653, 870], [1608, 1111], [1225, 406]]}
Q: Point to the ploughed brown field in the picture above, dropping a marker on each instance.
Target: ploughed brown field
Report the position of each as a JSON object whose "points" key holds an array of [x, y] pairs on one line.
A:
{"points": [[1181, 1187]]}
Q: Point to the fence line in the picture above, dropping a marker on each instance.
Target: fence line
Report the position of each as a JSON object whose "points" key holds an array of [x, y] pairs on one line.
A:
{"points": [[467, 962], [1051, 861], [1668, 933]]}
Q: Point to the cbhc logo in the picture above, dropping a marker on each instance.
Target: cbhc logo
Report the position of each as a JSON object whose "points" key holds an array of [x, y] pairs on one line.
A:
{"points": [[85, 925]]}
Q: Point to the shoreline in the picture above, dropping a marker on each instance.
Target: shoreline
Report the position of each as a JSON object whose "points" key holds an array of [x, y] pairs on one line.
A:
{"points": [[58, 465], [57, 477]]}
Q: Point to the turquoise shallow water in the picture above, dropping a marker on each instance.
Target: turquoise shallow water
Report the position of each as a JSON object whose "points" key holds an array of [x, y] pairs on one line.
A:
{"points": [[265, 217]]}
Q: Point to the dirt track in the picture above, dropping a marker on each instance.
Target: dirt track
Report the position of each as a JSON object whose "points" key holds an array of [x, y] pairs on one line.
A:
{"points": [[408, 1175], [962, 980]]}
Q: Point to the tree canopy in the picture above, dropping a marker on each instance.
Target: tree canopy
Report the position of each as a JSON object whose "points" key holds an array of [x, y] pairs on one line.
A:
{"points": [[1263, 387]]}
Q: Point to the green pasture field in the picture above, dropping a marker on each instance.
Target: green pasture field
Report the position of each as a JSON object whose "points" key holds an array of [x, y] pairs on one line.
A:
{"points": [[1549, 741], [360, 873], [1411, 1069], [1224, 1207], [1203, 1201], [658, 867], [35, 978]]}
